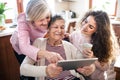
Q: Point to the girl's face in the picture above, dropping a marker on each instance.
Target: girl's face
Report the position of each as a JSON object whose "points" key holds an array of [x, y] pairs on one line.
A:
{"points": [[42, 24], [56, 31], [89, 26]]}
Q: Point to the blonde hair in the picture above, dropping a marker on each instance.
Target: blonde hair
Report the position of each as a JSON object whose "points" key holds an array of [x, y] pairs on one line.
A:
{"points": [[37, 9]]}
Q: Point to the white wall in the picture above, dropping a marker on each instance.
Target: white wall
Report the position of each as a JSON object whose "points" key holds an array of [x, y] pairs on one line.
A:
{"points": [[118, 10], [78, 6], [61, 6]]}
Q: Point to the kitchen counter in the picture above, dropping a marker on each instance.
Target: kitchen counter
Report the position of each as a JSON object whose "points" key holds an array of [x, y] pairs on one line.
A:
{"points": [[115, 22], [9, 66], [8, 30]]}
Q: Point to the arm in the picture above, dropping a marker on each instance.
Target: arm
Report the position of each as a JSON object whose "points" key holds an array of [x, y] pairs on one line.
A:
{"points": [[32, 51], [87, 70], [24, 41], [71, 53], [28, 68], [102, 66], [24, 38]]}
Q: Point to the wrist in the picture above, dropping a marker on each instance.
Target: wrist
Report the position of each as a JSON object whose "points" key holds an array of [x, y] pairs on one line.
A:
{"points": [[40, 54], [47, 71]]}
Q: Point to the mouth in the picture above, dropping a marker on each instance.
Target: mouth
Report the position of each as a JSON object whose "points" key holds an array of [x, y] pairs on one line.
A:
{"points": [[84, 30]]}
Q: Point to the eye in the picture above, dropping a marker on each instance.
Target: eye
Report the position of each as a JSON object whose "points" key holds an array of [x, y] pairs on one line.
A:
{"points": [[86, 21], [62, 27], [91, 27], [41, 20], [48, 17]]}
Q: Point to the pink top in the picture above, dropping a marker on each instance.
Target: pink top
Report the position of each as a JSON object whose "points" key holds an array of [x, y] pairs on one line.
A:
{"points": [[77, 38], [24, 36]]}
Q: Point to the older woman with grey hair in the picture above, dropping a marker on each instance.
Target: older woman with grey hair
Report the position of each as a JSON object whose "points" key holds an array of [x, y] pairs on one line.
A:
{"points": [[31, 25]]}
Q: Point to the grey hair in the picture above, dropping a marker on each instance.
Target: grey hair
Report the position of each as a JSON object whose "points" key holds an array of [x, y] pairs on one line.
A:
{"points": [[36, 9]]}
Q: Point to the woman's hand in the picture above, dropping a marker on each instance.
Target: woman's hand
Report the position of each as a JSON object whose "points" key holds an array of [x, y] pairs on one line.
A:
{"points": [[102, 66], [52, 57], [87, 70], [87, 53], [53, 70]]}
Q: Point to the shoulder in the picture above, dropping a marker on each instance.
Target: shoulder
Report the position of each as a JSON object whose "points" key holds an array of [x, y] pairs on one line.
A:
{"points": [[41, 40], [21, 17], [68, 44], [75, 33]]}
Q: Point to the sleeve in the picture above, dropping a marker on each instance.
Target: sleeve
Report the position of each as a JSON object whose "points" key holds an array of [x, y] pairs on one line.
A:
{"points": [[71, 37], [100, 67], [99, 71], [71, 50], [28, 68], [24, 41]]}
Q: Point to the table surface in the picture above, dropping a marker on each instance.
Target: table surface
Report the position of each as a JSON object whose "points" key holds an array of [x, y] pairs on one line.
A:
{"points": [[10, 28]]}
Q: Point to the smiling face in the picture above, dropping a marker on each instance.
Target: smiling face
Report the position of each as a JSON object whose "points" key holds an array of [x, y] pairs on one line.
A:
{"points": [[56, 30], [88, 26], [42, 24]]}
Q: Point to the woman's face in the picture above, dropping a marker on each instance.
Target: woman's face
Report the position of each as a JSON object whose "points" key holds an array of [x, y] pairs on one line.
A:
{"points": [[89, 26], [42, 24], [56, 30]]}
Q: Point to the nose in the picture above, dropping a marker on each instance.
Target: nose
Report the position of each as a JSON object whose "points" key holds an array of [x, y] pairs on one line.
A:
{"points": [[85, 26], [59, 29]]}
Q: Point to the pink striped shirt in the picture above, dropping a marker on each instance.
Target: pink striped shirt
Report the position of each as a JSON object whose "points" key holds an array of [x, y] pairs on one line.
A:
{"points": [[24, 36]]}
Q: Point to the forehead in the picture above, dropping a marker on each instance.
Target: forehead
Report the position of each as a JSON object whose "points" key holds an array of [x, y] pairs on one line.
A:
{"points": [[91, 20], [59, 22], [45, 15]]}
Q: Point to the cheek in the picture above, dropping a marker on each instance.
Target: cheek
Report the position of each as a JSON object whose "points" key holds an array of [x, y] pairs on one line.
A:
{"points": [[38, 23], [92, 31], [48, 20], [63, 32]]}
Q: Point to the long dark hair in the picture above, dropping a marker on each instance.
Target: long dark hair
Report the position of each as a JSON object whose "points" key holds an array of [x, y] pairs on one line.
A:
{"points": [[101, 39]]}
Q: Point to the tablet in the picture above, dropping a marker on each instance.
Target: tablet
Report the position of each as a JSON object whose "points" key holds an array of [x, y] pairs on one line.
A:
{"points": [[74, 64]]}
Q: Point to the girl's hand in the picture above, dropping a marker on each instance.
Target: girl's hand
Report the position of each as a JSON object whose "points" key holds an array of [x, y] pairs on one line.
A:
{"points": [[66, 35], [87, 70], [87, 53]]}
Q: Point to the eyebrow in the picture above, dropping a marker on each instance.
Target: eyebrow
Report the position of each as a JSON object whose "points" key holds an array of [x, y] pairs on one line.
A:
{"points": [[90, 24]]}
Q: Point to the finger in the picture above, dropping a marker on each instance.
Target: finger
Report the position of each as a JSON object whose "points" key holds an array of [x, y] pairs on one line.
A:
{"points": [[59, 57], [53, 60]]}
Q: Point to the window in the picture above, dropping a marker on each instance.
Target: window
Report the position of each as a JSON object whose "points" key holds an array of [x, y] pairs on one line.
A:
{"points": [[110, 6], [25, 4], [18, 6], [11, 13]]}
